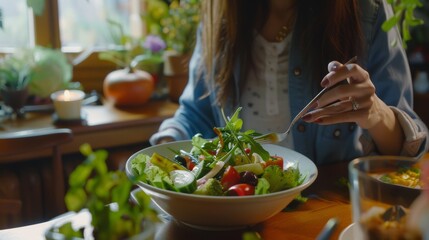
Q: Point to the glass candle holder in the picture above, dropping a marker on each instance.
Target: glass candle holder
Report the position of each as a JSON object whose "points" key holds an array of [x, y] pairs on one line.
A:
{"points": [[68, 104]]}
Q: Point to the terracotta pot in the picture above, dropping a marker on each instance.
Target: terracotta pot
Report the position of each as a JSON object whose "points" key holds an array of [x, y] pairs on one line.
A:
{"points": [[125, 87], [176, 68]]}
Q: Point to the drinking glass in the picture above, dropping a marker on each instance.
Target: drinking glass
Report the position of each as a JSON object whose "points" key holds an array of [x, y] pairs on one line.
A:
{"points": [[379, 208]]}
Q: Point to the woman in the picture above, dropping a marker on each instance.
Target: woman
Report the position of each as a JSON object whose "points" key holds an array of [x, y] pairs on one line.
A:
{"points": [[270, 57]]}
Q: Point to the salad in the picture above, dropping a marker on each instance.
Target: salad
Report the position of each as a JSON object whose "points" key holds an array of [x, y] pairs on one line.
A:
{"points": [[231, 164], [407, 176]]}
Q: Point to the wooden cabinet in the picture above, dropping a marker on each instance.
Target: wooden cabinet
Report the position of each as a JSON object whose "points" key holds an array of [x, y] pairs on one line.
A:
{"points": [[421, 106]]}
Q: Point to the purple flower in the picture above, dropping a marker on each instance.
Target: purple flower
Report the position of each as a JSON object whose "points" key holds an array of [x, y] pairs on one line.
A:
{"points": [[154, 43]]}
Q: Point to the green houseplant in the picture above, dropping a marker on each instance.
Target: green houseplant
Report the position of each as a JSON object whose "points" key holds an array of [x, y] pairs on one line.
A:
{"points": [[403, 17], [105, 194], [14, 78]]}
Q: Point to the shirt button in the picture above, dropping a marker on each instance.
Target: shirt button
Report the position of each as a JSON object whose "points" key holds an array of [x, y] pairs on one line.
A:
{"points": [[297, 71], [301, 127], [337, 133], [352, 127]]}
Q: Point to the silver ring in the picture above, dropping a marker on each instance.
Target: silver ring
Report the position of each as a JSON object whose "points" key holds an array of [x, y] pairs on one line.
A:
{"points": [[355, 105]]}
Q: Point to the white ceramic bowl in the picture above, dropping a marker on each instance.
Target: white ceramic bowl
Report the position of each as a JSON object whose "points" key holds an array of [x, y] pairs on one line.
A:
{"points": [[225, 212]]}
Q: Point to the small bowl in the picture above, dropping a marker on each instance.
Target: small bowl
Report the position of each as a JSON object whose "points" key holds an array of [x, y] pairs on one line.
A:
{"points": [[224, 212], [362, 172]]}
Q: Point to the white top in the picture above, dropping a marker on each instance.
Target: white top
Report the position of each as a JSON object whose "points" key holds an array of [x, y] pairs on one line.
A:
{"points": [[265, 97]]}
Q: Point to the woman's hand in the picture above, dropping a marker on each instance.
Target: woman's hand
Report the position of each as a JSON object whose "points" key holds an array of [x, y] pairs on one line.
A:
{"points": [[353, 102], [357, 102]]}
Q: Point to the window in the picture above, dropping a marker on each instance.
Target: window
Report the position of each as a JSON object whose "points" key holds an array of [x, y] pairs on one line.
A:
{"points": [[95, 23], [80, 28], [16, 30]]}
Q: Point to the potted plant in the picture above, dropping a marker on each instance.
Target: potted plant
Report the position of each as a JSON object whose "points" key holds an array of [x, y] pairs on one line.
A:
{"points": [[105, 195], [177, 23], [14, 78], [139, 62], [33, 72]]}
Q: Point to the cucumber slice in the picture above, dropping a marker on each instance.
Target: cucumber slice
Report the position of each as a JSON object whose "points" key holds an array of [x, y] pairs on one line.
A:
{"points": [[184, 181], [165, 163]]}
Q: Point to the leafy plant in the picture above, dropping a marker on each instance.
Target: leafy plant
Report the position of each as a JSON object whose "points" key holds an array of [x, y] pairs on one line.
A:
{"points": [[106, 196], [14, 73], [403, 17], [176, 23], [42, 70], [143, 53]]}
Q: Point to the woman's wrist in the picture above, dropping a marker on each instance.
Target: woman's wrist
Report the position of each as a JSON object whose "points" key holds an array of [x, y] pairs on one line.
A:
{"points": [[387, 133]]}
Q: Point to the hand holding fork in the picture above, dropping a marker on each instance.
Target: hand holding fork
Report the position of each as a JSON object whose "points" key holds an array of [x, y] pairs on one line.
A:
{"points": [[278, 137]]}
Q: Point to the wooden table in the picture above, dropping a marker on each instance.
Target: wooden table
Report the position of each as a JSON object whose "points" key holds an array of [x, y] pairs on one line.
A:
{"points": [[104, 126], [327, 199]]}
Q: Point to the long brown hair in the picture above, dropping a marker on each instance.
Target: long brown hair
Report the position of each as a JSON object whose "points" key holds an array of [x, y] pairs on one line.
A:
{"points": [[331, 31]]}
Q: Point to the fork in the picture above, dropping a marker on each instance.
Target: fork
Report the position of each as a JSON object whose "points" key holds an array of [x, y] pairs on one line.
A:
{"points": [[278, 137]]}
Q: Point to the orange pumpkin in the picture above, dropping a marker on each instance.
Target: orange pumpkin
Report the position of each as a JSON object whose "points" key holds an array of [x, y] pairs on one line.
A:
{"points": [[128, 87]]}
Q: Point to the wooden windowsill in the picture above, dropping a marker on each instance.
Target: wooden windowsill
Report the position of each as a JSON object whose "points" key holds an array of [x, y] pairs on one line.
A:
{"points": [[104, 126]]}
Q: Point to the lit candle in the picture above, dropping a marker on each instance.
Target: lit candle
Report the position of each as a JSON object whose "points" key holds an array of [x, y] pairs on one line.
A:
{"points": [[68, 103]]}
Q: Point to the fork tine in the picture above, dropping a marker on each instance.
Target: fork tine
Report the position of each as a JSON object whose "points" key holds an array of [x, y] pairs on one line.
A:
{"points": [[269, 137]]}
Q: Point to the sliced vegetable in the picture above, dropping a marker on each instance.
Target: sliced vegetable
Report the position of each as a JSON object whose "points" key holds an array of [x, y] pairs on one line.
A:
{"points": [[241, 189], [230, 177], [183, 181], [218, 166], [157, 177], [165, 163], [256, 168], [276, 161]]}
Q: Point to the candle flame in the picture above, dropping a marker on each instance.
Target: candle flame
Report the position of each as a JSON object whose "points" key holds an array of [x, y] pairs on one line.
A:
{"points": [[66, 95]]}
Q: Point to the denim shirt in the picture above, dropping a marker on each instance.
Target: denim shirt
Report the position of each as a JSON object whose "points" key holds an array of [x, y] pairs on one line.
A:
{"points": [[388, 68]]}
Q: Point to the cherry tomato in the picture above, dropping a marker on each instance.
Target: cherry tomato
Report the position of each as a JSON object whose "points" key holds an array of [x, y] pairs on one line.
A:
{"points": [[241, 189], [247, 150], [230, 177], [276, 161]]}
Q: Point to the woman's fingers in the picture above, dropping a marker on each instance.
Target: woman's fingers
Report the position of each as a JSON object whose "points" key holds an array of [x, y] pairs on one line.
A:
{"points": [[338, 72], [354, 101], [337, 112]]}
